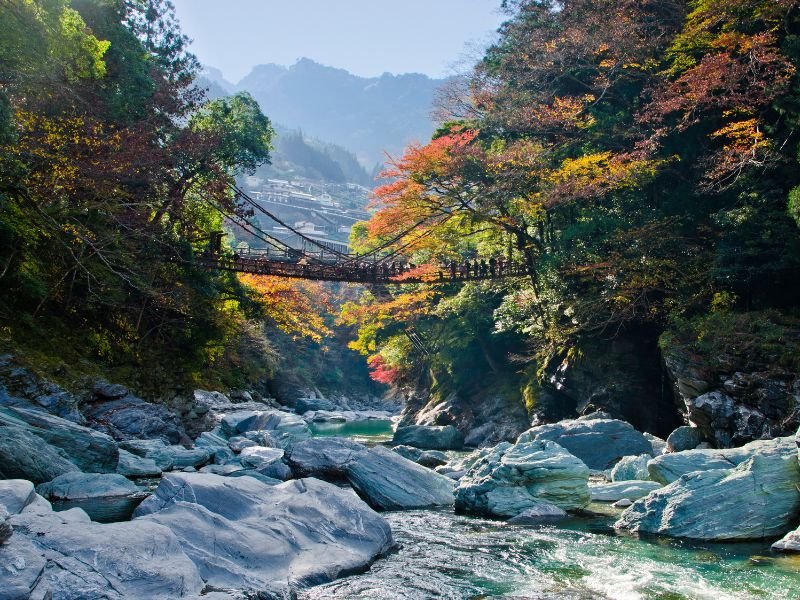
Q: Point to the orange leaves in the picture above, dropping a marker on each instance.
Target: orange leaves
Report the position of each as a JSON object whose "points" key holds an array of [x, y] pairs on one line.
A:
{"points": [[425, 273], [420, 177], [296, 308]]}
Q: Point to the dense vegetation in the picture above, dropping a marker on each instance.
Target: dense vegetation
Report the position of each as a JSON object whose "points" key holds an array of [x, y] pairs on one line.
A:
{"points": [[639, 156], [113, 172]]}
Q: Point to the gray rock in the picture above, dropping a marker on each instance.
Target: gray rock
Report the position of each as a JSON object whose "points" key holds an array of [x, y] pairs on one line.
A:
{"points": [[16, 494], [426, 458], [24, 455], [758, 499], [222, 469], [248, 536], [130, 417], [257, 476], [238, 443], [168, 457], [387, 481], [670, 467], [539, 513], [599, 443], [304, 405], [623, 503], [325, 458], [630, 490], [89, 450], [134, 466], [105, 497], [240, 422], [659, 446], [429, 437], [75, 486], [631, 468], [267, 461], [109, 391], [22, 566], [6, 531], [789, 543], [38, 506], [211, 439], [510, 479], [684, 438], [90, 560], [211, 399], [216, 444]]}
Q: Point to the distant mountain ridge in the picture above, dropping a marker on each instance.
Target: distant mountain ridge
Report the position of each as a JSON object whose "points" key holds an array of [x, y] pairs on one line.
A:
{"points": [[367, 116]]}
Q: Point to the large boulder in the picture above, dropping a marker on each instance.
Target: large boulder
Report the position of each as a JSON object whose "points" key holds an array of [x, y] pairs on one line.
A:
{"points": [[631, 468], [511, 479], [106, 497], [629, 490], [24, 455], [134, 466], [670, 467], [129, 417], [240, 422], [267, 461], [89, 560], [16, 494], [243, 534], [91, 451], [428, 437], [760, 498], [387, 481], [684, 438], [168, 457], [788, 543], [599, 443], [325, 457]]}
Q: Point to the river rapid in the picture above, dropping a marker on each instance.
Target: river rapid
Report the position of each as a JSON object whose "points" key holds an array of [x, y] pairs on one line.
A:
{"points": [[443, 555]]}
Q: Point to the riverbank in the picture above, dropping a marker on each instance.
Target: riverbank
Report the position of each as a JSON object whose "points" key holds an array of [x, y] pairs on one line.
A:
{"points": [[120, 501]]}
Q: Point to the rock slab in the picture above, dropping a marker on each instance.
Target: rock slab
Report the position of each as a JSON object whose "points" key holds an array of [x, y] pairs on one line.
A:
{"points": [[599, 443], [243, 534], [758, 499], [429, 437], [511, 479]]}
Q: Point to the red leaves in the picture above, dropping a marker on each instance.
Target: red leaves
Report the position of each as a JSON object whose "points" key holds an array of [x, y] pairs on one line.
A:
{"points": [[381, 372]]}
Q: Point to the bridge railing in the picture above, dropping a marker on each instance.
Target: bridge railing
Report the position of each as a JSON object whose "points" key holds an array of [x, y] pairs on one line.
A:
{"points": [[299, 266]]}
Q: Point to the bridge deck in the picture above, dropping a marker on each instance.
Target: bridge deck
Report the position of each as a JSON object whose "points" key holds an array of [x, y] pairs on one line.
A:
{"points": [[360, 273]]}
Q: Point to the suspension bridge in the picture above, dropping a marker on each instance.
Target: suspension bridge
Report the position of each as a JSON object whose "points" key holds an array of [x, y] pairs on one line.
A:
{"points": [[321, 262]]}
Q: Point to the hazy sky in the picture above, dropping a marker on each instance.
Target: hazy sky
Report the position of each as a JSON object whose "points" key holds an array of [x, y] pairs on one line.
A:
{"points": [[366, 37]]}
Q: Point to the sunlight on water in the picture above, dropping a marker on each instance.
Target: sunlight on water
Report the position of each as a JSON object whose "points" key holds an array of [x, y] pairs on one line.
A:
{"points": [[443, 555], [372, 431]]}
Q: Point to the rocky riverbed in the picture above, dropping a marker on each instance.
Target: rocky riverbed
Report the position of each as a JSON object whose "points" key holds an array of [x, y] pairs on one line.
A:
{"points": [[266, 501]]}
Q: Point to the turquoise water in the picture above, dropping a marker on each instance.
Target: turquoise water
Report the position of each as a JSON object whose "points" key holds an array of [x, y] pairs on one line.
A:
{"points": [[449, 556], [367, 432], [444, 555]]}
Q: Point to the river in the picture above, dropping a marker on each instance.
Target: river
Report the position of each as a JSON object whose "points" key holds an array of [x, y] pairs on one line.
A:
{"points": [[443, 555]]}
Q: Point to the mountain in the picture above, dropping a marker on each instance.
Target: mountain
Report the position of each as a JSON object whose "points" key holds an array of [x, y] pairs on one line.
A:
{"points": [[367, 116], [297, 155]]}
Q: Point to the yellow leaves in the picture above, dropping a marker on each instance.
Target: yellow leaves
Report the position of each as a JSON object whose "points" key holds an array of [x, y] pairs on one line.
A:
{"points": [[595, 174], [296, 307]]}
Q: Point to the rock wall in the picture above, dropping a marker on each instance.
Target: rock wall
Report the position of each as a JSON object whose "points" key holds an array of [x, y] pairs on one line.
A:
{"points": [[735, 400], [622, 377]]}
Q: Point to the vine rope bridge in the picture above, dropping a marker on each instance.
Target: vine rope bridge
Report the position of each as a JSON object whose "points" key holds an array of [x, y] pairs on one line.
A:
{"points": [[325, 263]]}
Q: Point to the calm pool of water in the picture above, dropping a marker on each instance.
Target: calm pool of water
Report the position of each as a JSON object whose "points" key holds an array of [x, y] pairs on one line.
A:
{"points": [[373, 431]]}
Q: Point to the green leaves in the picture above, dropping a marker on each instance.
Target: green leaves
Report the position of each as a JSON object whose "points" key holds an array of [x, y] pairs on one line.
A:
{"points": [[242, 134]]}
